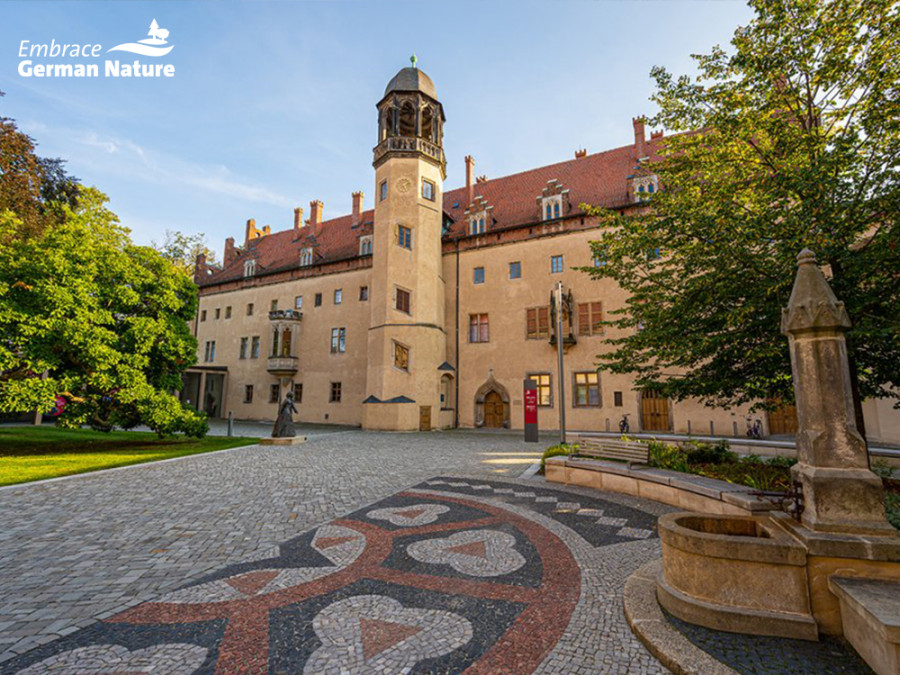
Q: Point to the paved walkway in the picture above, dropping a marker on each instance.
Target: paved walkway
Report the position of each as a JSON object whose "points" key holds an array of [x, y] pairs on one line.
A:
{"points": [[354, 553]]}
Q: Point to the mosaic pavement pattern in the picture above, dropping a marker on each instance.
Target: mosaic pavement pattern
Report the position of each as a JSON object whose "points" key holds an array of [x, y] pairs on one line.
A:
{"points": [[453, 575]]}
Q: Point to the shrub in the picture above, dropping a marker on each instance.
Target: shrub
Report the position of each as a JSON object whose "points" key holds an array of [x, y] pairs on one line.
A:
{"points": [[709, 453], [558, 450], [666, 456]]}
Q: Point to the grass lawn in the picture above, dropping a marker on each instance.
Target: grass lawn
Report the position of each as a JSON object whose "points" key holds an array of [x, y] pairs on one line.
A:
{"points": [[35, 453]]}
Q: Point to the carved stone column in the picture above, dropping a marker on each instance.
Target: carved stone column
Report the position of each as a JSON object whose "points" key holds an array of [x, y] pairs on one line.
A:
{"points": [[840, 493]]}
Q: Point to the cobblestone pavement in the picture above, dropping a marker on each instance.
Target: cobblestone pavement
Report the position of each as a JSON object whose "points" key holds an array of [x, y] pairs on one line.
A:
{"points": [[356, 552]]}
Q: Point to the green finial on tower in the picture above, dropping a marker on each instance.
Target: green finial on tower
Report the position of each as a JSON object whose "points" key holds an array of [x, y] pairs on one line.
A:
{"points": [[413, 60]]}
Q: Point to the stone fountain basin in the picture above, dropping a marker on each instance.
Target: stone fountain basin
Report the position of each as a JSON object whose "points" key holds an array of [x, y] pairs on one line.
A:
{"points": [[742, 574]]}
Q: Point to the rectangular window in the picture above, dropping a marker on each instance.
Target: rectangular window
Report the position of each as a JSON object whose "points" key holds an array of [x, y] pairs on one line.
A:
{"points": [[248, 393], [590, 318], [363, 293], [318, 302], [244, 344], [401, 357], [228, 312], [537, 323], [382, 191], [254, 347], [298, 302], [617, 399], [599, 262], [587, 390], [427, 189], [203, 315], [249, 309], [274, 393], [402, 300], [335, 392], [209, 353], [515, 270], [298, 392], [556, 264], [338, 340], [404, 236], [274, 306], [479, 329], [478, 275], [218, 313], [338, 295], [544, 388]]}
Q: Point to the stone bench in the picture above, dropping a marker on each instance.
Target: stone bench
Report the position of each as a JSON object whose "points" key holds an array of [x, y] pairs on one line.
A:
{"points": [[870, 616], [603, 447], [683, 490]]}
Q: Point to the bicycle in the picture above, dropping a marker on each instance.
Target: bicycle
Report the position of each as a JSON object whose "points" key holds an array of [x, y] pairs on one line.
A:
{"points": [[623, 424], [754, 429]]}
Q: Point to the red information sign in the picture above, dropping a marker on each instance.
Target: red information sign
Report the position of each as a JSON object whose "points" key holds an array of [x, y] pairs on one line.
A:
{"points": [[531, 406]]}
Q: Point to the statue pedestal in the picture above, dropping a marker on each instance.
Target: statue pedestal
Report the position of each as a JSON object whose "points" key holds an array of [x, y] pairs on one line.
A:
{"points": [[290, 440]]}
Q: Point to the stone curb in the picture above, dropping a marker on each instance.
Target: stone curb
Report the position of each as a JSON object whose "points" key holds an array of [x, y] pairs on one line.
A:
{"points": [[647, 622]]}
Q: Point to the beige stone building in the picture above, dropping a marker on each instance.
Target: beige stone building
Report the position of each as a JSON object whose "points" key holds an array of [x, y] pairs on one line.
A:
{"points": [[429, 310]]}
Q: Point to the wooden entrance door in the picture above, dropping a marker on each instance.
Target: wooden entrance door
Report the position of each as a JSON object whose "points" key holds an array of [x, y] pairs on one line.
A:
{"points": [[493, 410], [424, 418], [783, 420], [654, 411]]}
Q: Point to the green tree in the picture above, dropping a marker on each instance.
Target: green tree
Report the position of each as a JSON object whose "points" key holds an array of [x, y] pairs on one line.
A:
{"points": [[105, 321], [798, 146], [182, 249]]}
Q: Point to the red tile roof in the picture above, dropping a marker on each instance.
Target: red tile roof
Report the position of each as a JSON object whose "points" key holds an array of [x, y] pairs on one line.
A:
{"points": [[598, 179]]}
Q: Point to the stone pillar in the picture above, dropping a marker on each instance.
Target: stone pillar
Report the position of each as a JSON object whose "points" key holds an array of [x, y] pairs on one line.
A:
{"points": [[840, 493]]}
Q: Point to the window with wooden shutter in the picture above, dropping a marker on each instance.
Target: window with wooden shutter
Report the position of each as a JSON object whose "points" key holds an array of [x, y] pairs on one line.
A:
{"points": [[590, 318], [537, 323]]}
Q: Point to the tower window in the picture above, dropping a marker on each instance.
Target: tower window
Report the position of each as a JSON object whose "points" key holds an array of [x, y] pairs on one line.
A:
{"points": [[318, 300], [382, 191], [556, 264], [249, 309], [515, 270], [478, 275], [404, 236], [338, 296], [203, 315], [408, 119], [427, 189], [228, 312], [273, 307], [402, 303], [298, 302], [218, 313], [363, 293]]}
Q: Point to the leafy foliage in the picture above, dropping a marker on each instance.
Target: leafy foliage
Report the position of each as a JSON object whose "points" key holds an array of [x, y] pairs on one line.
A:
{"points": [[182, 249], [558, 450], [107, 321], [799, 146]]}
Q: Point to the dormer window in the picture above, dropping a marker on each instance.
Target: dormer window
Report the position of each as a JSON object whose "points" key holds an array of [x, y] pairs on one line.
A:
{"points": [[365, 245], [552, 207], [644, 186], [306, 257], [249, 268], [477, 224]]}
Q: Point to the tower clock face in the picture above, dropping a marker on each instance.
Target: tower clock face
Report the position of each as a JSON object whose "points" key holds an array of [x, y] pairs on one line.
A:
{"points": [[404, 185]]}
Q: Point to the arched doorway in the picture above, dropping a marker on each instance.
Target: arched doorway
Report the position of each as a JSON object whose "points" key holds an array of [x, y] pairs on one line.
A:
{"points": [[493, 410], [492, 405]]}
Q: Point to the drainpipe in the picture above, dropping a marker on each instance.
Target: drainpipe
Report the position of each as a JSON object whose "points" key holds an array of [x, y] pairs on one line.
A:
{"points": [[456, 379]]}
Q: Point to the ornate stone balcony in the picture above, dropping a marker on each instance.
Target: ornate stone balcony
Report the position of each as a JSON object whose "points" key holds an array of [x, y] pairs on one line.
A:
{"points": [[285, 315], [283, 366], [411, 145]]}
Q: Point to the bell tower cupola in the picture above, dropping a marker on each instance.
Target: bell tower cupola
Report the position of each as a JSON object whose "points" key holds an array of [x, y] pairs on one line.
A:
{"points": [[411, 119]]}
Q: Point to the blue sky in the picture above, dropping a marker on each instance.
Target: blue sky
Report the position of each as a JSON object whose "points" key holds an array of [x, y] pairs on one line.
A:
{"points": [[273, 103]]}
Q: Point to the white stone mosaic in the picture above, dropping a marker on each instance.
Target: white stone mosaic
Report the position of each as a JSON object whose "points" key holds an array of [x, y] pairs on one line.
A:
{"points": [[171, 659], [369, 634], [409, 516], [479, 553]]}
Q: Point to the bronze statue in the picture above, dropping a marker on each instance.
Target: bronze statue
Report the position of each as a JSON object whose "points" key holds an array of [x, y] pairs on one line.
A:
{"points": [[284, 424]]}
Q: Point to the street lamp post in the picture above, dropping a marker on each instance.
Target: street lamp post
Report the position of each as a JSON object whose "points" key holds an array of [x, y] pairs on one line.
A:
{"points": [[559, 354]]}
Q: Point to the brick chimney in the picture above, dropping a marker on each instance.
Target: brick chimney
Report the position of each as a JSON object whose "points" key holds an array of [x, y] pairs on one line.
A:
{"points": [[230, 253], [250, 231], [199, 266], [581, 153], [640, 144], [656, 135], [470, 180], [315, 212], [298, 218], [357, 207]]}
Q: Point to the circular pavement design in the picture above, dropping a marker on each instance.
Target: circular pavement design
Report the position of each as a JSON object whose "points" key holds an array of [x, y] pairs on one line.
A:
{"points": [[452, 576]]}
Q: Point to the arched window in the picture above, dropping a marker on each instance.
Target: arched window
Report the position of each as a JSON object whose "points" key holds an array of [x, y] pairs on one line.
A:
{"points": [[556, 210], [428, 123], [408, 120], [249, 268], [641, 188], [306, 256], [549, 212], [650, 188]]}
